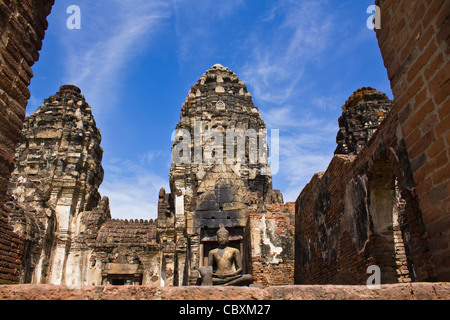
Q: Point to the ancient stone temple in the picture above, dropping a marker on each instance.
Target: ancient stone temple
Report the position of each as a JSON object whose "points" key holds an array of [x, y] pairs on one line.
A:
{"points": [[219, 176], [383, 200]]}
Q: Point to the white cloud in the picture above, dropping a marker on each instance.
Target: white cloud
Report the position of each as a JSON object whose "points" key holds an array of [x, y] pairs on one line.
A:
{"points": [[132, 189], [302, 154], [293, 118], [277, 118], [329, 103]]}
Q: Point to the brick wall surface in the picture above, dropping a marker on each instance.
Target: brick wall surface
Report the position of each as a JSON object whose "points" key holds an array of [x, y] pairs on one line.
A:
{"points": [[415, 44], [22, 28]]}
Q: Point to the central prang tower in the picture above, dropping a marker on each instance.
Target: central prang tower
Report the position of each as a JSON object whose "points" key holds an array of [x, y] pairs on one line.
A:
{"points": [[219, 175]]}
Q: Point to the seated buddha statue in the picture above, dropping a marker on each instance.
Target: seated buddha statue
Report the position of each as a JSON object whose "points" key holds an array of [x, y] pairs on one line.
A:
{"points": [[229, 264]]}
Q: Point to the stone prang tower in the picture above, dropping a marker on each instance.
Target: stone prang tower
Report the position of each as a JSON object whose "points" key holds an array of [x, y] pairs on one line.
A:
{"points": [[57, 175], [219, 175]]}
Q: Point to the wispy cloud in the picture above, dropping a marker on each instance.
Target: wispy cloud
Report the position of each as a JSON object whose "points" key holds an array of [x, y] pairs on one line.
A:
{"points": [[288, 44], [307, 142], [299, 167], [281, 54], [110, 37]]}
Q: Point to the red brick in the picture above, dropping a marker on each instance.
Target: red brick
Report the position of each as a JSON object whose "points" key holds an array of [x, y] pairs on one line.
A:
{"points": [[421, 173], [413, 137], [432, 12], [437, 162], [417, 118], [442, 93], [429, 122], [415, 88], [439, 79], [403, 98], [443, 111], [443, 126], [424, 201], [415, 19], [433, 66], [438, 193], [426, 37], [442, 174], [422, 61], [443, 15], [436, 147], [421, 97], [421, 144], [405, 112], [411, 44], [431, 214], [424, 186]]}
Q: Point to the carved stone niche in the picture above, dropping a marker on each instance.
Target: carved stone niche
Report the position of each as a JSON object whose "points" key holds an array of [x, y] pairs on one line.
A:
{"points": [[238, 239], [208, 241], [220, 262], [123, 268]]}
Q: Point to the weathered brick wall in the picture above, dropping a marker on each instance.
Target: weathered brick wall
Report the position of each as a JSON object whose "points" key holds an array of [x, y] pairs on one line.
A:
{"points": [[339, 229], [414, 41], [403, 169], [22, 28]]}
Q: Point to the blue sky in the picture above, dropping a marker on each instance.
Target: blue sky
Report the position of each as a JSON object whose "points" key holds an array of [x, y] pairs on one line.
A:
{"points": [[136, 60]]}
